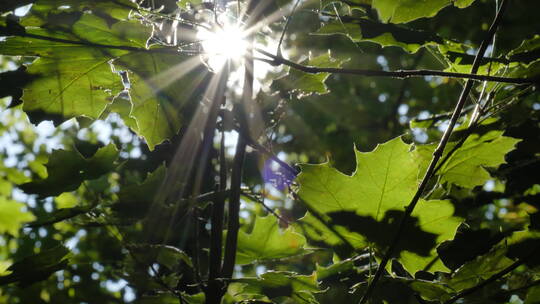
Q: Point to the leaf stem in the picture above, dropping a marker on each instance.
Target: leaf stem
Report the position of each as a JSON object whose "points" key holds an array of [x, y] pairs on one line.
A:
{"points": [[437, 154]]}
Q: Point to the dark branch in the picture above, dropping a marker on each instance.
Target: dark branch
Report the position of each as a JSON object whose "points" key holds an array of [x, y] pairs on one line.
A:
{"points": [[216, 236], [236, 176], [8, 32], [278, 60], [261, 149], [270, 210]]}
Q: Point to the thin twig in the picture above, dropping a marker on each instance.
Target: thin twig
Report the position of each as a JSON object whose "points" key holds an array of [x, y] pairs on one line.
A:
{"points": [[261, 149], [286, 27], [270, 210], [437, 154], [401, 95], [277, 60]]}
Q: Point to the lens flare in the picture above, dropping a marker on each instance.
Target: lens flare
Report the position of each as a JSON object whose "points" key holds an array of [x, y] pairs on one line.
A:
{"points": [[223, 44]]}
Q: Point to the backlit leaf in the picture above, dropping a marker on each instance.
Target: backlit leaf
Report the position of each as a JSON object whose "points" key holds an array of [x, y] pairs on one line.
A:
{"points": [[466, 166], [12, 217], [160, 85], [266, 242], [276, 284], [365, 208], [401, 11], [362, 29], [306, 83]]}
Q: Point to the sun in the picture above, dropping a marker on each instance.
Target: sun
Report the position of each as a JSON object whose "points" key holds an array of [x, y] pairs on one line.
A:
{"points": [[224, 43]]}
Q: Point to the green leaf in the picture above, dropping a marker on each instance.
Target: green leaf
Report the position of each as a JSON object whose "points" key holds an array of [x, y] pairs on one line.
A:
{"points": [[533, 295], [324, 273], [524, 245], [135, 200], [5, 187], [466, 166], [266, 242], [83, 85], [527, 52], [365, 208], [49, 11], [158, 299], [401, 11], [362, 29], [186, 3], [60, 215], [462, 63], [37, 267], [278, 284], [169, 256], [480, 269], [75, 79], [198, 298], [467, 244], [431, 291], [389, 290], [305, 83], [64, 200], [12, 217], [160, 86], [357, 4], [68, 169]]}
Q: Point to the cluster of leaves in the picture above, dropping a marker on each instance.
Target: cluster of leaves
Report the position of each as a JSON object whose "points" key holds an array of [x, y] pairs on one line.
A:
{"points": [[92, 214]]}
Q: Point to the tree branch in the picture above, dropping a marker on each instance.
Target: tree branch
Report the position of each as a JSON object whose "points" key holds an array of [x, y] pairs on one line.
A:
{"points": [[268, 209], [278, 60], [5, 31], [238, 163], [437, 154], [214, 292], [261, 149]]}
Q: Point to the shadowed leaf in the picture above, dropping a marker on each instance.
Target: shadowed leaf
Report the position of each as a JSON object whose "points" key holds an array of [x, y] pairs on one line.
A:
{"points": [[66, 171]]}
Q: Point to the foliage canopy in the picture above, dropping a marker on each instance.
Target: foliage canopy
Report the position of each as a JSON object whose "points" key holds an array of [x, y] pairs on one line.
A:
{"points": [[359, 151]]}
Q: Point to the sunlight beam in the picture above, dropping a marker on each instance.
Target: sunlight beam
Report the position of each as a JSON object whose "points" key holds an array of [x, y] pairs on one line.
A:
{"points": [[223, 44]]}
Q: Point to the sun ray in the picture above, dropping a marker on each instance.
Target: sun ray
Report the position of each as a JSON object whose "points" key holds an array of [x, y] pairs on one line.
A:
{"points": [[183, 165], [225, 46], [164, 79]]}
